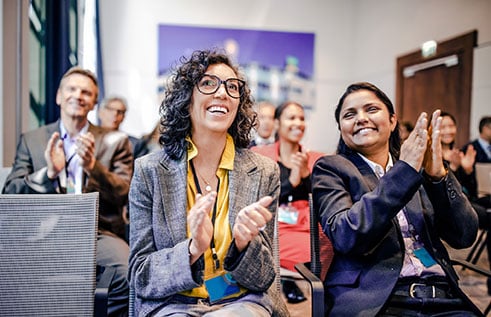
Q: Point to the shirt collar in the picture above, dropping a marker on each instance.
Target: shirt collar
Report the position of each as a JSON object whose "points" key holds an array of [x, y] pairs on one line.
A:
{"points": [[64, 133], [484, 144], [228, 155], [377, 168]]}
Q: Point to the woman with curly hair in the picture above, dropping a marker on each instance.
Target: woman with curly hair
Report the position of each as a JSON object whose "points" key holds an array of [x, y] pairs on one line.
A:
{"points": [[201, 239]]}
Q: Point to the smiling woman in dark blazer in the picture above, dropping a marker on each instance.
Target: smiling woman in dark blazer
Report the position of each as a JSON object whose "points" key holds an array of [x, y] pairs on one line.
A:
{"points": [[386, 208]]}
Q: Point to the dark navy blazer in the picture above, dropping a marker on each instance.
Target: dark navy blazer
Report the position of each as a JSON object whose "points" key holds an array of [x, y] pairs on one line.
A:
{"points": [[358, 213]]}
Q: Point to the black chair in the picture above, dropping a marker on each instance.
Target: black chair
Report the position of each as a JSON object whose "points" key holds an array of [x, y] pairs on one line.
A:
{"points": [[477, 248], [48, 256], [311, 271]]}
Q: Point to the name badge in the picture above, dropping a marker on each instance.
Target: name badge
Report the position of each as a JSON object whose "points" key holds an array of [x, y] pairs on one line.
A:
{"points": [[221, 287], [288, 214], [425, 258]]}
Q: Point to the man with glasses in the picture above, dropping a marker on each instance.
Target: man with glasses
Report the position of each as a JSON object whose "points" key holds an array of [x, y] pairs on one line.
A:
{"points": [[111, 114]]}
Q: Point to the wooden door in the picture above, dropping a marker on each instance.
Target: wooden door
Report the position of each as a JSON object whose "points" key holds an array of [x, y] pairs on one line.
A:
{"points": [[442, 81]]}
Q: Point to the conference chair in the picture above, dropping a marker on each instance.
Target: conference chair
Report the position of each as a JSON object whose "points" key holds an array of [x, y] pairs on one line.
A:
{"points": [[311, 271], [48, 256], [4, 172]]}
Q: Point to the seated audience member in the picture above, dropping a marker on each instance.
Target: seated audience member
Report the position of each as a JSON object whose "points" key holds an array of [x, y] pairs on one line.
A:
{"points": [[74, 156], [265, 129], [111, 114], [461, 163], [295, 165], [482, 145], [152, 140], [201, 236], [386, 208], [405, 128]]}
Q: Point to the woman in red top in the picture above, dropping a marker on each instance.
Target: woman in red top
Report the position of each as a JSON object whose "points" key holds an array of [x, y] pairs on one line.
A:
{"points": [[295, 164]]}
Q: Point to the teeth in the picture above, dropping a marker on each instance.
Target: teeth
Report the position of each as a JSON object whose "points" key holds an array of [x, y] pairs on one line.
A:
{"points": [[364, 131], [217, 109]]}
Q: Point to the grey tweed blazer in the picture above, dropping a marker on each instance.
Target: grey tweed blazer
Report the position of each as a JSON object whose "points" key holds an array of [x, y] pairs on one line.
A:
{"points": [[159, 260]]}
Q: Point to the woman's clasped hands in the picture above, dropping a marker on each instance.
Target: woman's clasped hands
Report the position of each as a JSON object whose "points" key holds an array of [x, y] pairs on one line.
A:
{"points": [[249, 222], [423, 148]]}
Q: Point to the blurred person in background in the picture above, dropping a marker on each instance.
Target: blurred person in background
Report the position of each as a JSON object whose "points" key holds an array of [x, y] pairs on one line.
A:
{"points": [[264, 133], [112, 112], [295, 164]]}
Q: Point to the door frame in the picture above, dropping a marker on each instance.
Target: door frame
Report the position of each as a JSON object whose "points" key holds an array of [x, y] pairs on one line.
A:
{"points": [[462, 45]]}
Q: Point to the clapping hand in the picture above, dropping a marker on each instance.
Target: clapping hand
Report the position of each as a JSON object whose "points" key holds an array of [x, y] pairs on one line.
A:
{"points": [[250, 221], [299, 168], [413, 149], [200, 225], [423, 148], [433, 160], [54, 155], [85, 149]]}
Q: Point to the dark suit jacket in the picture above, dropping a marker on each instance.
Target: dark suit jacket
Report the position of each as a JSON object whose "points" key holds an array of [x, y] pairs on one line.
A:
{"points": [[481, 155], [159, 256], [110, 177], [139, 146], [358, 213]]}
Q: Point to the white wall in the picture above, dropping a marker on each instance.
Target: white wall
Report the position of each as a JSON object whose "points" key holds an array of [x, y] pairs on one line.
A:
{"points": [[355, 40]]}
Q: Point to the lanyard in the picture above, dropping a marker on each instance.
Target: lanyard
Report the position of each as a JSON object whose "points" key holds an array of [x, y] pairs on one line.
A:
{"points": [[67, 164], [216, 261]]}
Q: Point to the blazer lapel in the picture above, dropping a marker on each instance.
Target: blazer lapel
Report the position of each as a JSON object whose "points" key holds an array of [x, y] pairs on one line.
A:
{"points": [[413, 212], [174, 197], [368, 175], [242, 190]]}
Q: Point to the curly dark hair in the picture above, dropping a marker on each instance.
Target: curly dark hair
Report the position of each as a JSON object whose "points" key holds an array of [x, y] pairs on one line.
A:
{"points": [[175, 117], [395, 137]]}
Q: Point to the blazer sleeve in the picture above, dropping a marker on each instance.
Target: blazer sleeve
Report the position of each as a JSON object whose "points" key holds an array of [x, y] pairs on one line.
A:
{"points": [[254, 268], [156, 272], [455, 219], [354, 215], [113, 169], [29, 171]]}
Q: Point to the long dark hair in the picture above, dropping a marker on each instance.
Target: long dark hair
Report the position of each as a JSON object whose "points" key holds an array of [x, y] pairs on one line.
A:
{"points": [[394, 139], [448, 114], [175, 119]]}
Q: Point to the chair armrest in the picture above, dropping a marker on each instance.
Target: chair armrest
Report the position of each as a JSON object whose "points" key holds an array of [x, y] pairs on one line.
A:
{"points": [[316, 287], [104, 278], [471, 266]]}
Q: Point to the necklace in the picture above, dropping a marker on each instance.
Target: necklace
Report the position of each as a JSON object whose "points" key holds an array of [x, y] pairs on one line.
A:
{"points": [[208, 186], [207, 183], [196, 181]]}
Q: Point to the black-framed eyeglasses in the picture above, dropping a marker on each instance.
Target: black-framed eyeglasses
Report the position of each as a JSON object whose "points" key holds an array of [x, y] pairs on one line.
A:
{"points": [[209, 84]]}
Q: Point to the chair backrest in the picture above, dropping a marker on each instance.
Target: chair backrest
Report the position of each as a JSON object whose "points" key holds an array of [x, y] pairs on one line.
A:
{"points": [[47, 254], [4, 172], [315, 258], [483, 175]]}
